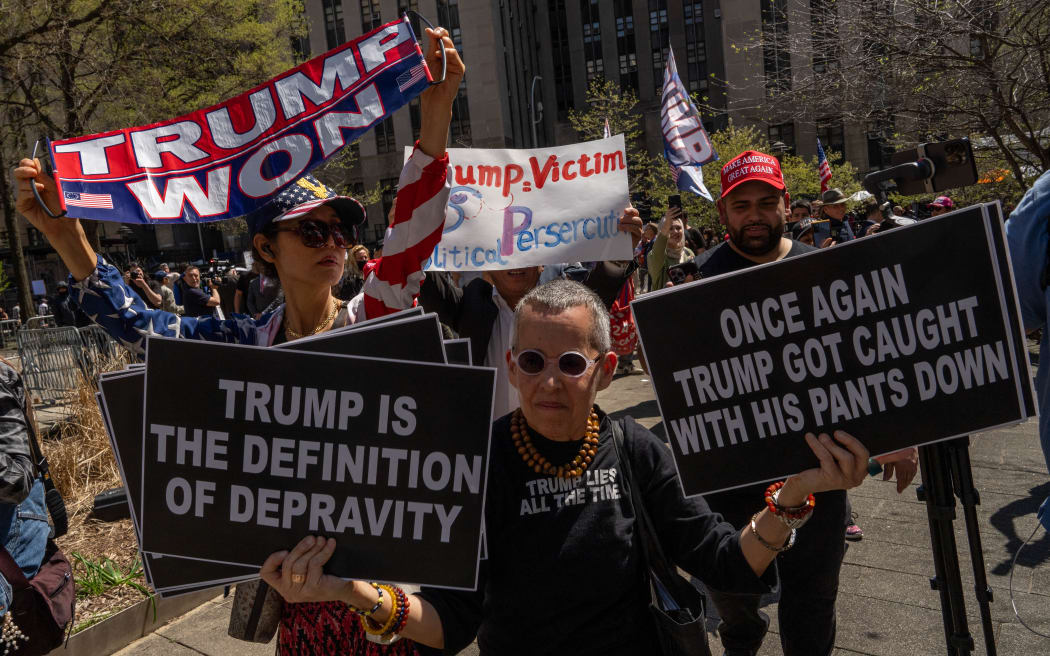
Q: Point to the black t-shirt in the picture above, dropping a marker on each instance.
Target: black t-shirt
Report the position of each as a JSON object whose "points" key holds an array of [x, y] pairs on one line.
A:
{"points": [[195, 302], [723, 259], [563, 574]]}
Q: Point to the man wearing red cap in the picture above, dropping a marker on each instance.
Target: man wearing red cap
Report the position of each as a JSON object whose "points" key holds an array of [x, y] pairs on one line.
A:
{"points": [[754, 206], [942, 205]]}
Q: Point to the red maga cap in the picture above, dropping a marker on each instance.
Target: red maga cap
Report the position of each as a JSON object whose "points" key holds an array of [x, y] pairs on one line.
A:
{"points": [[751, 165]]}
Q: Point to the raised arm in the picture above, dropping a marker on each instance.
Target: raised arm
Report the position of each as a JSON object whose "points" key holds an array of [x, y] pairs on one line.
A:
{"points": [[422, 195], [65, 234]]}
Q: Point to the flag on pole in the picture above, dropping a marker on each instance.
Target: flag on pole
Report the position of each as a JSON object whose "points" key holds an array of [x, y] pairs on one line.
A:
{"points": [[606, 132], [686, 144], [823, 167]]}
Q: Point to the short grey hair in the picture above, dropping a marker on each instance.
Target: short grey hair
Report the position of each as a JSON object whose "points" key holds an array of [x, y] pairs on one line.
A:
{"points": [[560, 295]]}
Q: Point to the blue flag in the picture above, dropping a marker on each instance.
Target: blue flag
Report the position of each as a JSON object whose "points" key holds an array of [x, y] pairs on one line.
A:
{"points": [[686, 144]]}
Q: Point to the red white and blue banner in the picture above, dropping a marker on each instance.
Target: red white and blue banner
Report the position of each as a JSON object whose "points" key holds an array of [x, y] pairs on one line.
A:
{"points": [[823, 168], [230, 159], [686, 144]]}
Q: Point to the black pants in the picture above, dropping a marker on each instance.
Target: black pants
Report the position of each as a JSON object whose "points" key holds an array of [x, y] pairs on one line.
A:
{"points": [[809, 582]]}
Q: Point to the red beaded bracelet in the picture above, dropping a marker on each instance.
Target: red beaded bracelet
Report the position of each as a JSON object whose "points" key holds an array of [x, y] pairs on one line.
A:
{"points": [[795, 512]]}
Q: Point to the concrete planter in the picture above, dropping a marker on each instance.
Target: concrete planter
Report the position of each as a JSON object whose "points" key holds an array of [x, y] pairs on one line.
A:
{"points": [[130, 624]]}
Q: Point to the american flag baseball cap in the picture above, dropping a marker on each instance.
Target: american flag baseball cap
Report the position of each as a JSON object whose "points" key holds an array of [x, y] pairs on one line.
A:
{"points": [[751, 165], [301, 196]]}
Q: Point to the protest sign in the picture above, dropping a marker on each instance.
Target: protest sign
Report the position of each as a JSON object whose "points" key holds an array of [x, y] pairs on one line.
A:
{"points": [[517, 208], [415, 338], [388, 457], [230, 159], [898, 339], [457, 351], [121, 403]]}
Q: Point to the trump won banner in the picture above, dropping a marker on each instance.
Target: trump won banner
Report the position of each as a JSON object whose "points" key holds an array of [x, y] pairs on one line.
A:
{"points": [[517, 208], [228, 160]]}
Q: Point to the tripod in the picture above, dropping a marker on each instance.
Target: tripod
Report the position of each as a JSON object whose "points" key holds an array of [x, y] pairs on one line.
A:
{"points": [[946, 474]]}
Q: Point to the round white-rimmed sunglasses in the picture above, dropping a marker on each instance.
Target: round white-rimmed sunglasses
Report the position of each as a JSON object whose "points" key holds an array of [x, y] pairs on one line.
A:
{"points": [[570, 363]]}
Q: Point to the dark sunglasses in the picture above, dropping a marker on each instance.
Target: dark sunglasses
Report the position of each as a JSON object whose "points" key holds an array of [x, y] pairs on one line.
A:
{"points": [[571, 363], [315, 233]]}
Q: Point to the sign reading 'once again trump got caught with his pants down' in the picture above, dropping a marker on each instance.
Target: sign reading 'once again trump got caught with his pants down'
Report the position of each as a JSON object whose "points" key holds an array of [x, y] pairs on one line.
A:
{"points": [[895, 339]]}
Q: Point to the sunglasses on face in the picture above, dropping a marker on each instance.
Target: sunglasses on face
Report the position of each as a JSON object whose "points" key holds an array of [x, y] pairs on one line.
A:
{"points": [[570, 363], [315, 233]]}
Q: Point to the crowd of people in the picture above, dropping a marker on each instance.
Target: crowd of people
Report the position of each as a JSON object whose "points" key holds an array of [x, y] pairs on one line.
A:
{"points": [[569, 581]]}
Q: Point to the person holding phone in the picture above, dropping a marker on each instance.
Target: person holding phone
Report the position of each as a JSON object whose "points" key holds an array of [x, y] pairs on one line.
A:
{"points": [[669, 248]]}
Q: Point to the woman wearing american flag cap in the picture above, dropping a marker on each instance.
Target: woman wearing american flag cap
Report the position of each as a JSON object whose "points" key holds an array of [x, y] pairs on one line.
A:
{"points": [[302, 237]]}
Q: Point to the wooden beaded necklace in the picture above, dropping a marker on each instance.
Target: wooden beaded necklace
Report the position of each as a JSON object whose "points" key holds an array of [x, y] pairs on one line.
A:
{"points": [[519, 431]]}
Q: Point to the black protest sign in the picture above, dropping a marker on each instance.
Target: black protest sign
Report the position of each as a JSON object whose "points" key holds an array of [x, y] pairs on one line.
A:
{"points": [[416, 338], [266, 446], [900, 339], [457, 351], [122, 398]]}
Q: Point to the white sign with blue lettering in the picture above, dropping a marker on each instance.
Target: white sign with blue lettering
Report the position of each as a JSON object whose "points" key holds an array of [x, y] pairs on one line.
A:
{"points": [[518, 208]]}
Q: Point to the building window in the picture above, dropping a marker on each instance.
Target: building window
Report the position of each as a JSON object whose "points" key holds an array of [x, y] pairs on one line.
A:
{"points": [[562, 60], [823, 16], [625, 44], [832, 134], [410, 5], [333, 22], [880, 150], [460, 128], [785, 134], [370, 18], [658, 37], [301, 48], [413, 114], [695, 47], [775, 54], [384, 130], [590, 16], [448, 17], [389, 186]]}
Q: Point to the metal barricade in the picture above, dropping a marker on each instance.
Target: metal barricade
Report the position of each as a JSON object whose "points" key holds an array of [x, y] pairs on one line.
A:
{"points": [[99, 349], [50, 362], [41, 321]]}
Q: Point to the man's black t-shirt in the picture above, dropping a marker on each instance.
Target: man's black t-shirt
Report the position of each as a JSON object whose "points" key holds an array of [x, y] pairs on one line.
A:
{"points": [[737, 506], [195, 302], [723, 259]]}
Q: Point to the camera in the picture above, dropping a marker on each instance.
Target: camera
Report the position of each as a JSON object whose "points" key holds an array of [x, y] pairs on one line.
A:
{"points": [[136, 274], [679, 272]]}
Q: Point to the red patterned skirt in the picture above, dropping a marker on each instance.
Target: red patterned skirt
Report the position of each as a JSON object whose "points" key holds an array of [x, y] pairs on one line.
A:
{"points": [[325, 629]]}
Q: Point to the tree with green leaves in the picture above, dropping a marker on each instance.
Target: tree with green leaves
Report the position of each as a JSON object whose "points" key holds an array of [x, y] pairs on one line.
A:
{"points": [[84, 66]]}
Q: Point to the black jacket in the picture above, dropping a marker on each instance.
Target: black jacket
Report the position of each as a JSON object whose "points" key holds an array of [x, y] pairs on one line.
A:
{"points": [[17, 472], [471, 312]]}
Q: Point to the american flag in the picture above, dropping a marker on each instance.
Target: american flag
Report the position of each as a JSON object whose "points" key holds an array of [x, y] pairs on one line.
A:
{"points": [[411, 76], [823, 167], [77, 199], [686, 144]]}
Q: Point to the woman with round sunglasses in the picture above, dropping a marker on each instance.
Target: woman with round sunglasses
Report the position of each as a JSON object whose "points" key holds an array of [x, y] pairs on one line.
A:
{"points": [[302, 238], [564, 572]]}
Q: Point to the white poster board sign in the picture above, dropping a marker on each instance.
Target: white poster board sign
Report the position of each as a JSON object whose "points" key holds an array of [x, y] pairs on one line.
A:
{"points": [[518, 208]]}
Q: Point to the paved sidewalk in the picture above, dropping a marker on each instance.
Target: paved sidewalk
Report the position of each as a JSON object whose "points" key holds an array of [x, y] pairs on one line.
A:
{"points": [[886, 606]]}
